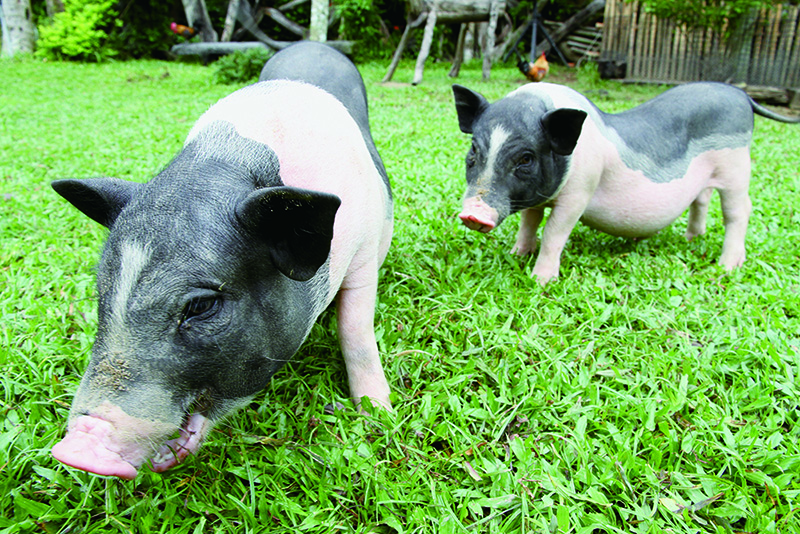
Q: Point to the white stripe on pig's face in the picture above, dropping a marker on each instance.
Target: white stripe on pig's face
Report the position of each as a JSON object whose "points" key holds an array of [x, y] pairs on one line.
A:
{"points": [[497, 139], [133, 259]]}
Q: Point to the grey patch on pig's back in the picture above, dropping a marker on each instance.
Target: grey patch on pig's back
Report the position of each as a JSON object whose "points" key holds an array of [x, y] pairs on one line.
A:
{"points": [[328, 69], [662, 136], [219, 140]]}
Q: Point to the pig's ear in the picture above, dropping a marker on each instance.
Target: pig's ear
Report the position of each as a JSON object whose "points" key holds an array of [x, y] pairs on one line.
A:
{"points": [[296, 224], [562, 128], [100, 199], [469, 106]]}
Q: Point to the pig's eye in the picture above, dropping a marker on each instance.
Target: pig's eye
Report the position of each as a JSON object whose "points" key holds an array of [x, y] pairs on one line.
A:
{"points": [[471, 156], [526, 159], [200, 307]]}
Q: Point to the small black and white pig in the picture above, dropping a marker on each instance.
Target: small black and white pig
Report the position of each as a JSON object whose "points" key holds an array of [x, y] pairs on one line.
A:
{"points": [[215, 271], [630, 174]]}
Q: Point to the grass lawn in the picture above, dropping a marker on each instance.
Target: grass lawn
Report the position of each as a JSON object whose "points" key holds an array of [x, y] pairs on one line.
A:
{"points": [[645, 391]]}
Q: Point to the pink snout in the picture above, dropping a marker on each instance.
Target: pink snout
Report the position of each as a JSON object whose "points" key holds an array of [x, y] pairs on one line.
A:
{"points": [[478, 215], [90, 446]]}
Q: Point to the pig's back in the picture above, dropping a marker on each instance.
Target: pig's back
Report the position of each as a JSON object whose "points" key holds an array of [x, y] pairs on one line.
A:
{"points": [[319, 147], [327, 68]]}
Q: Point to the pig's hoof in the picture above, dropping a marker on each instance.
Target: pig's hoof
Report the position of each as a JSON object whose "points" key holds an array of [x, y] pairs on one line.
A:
{"points": [[544, 278], [731, 263], [691, 235], [521, 250]]}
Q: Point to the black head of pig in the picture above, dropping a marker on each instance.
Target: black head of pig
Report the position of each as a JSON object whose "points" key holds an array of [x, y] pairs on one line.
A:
{"points": [[209, 281], [519, 155]]}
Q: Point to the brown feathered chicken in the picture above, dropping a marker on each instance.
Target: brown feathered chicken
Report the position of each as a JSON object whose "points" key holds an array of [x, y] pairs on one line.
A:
{"points": [[535, 71], [184, 31]]}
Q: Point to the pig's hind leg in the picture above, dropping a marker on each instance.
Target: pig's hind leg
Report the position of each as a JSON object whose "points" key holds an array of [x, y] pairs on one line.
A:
{"points": [[356, 326], [734, 178], [698, 212]]}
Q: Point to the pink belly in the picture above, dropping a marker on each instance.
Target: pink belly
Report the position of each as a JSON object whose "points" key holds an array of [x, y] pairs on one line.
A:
{"points": [[627, 204]]}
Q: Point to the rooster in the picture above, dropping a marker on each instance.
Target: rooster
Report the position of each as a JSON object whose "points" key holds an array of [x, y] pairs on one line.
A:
{"points": [[184, 31], [535, 71]]}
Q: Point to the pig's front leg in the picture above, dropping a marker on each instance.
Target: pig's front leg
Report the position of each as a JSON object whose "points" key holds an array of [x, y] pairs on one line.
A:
{"points": [[562, 219], [528, 226], [356, 318]]}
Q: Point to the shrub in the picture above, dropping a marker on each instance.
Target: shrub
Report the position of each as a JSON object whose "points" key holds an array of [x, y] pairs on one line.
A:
{"points": [[241, 67], [80, 32], [361, 20]]}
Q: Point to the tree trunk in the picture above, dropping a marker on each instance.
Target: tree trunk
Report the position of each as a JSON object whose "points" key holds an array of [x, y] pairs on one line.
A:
{"points": [[318, 28], [398, 53], [459, 57], [53, 7], [230, 20], [197, 17], [488, 52], [18, 29], [425, 47]]}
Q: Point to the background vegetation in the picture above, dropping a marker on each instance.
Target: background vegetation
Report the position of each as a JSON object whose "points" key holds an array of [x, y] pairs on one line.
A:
{"points": [[646, 391]]}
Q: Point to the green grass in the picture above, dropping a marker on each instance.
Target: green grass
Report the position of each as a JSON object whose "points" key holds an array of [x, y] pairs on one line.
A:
{"points": [[645, 391]]}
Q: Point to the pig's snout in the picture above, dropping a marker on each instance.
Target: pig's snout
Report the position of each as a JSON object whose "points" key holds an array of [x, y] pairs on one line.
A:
{"points": [[478, 215], [90, 446], [474, 223]]}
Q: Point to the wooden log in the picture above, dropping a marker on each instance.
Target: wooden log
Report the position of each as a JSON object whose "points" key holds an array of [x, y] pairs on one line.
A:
{"points": [[286, 22], [794, 98], [222, 48], [425, 47], [488, 50], [451, 11], [230, 20], [218, 48], [291, 5], [197, 17], [401, 46], [459, 57], [769, 95]]}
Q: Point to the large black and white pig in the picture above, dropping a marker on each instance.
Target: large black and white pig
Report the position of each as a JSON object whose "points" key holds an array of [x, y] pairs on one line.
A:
{"points": [[215, 270], [629, 174]]}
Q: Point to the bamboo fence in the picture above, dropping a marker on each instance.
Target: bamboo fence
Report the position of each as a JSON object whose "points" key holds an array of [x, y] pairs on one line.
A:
{"points": [[764, 49]]}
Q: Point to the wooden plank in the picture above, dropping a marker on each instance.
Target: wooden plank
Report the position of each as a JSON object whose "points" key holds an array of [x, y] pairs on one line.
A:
{"points": [[631, 52], [653, 44], [755, 75], [637, 46], [644, 49], [775, 29], [664, 38], [780, 67], [793, 78]]}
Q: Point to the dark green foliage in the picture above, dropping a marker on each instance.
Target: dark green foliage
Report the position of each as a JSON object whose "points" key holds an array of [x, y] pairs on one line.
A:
{"points": [[362, 21], [241, 67], [145, 28], [97, 31], [711, 13]]}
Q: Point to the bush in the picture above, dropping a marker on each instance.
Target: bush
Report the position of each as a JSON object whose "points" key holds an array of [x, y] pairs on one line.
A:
{"points": [[361, 21], [80, 32], [241, 67]]}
